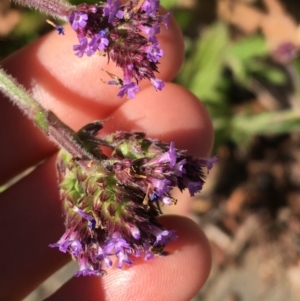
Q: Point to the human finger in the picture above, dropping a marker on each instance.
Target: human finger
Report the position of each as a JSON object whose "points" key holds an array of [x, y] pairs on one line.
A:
{"points": [[174, 114]]}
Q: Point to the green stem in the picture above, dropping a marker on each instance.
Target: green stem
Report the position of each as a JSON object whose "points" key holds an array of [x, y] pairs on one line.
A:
{"points": [[295, 78], [46, 120], [57, 8], [266, 123], [21, 98]]}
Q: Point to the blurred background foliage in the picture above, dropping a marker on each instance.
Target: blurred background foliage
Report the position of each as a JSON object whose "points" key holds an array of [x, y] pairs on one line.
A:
{"points": [[242, 61], [237, 61]]}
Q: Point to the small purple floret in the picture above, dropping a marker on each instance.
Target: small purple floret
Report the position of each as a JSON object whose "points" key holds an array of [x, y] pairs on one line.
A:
{"points": [[169, 156], [99, 42], [85, 268], [123, 258], [152, 32], [69, 242], [163, 237], [157, 83], [179, 168], [172, 153], [154, 53], [134, 230], [210, 162], [129, 89], [78, 20], [192, 186], [81, 49], [102, 255], [150, 6], [116, 243], [89, 218], [167, 200], [165, 19], [154, 197], [60, 30], [112, 10], [148, 255], [161, 186]]}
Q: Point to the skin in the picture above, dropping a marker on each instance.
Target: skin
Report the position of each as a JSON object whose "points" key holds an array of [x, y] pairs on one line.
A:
{"points": [[30, 210]]}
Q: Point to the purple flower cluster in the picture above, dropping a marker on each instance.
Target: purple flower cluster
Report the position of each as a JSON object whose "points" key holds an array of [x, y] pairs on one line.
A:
{"points": [[112, 204], [126, 34], [285, 52]]}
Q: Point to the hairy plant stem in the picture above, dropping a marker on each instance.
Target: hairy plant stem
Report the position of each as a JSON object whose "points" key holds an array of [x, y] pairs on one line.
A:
{"points": [[46, 120], [57, 8]]}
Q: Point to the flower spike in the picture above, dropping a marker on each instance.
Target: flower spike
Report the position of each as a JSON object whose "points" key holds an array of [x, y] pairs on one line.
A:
{"points": [[111, 204], [126, 34]]}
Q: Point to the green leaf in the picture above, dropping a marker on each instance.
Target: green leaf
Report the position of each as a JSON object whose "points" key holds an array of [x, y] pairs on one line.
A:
{"points": [[247, 48], [203, 69], [272, 74], [29, 25], [275, 76], [241, 54], [245, 126], [168, 3]]}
